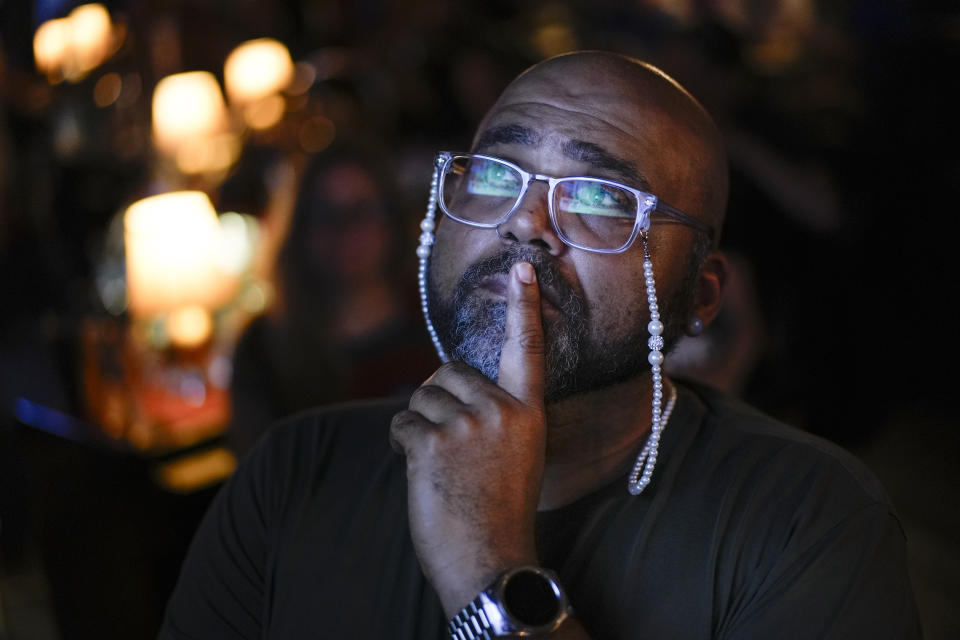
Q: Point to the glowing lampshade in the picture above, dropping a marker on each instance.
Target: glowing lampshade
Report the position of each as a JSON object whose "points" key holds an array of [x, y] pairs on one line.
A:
{"points": [[186, 107], [257, 69], [51, 45], [91, 36], [172, 250]]}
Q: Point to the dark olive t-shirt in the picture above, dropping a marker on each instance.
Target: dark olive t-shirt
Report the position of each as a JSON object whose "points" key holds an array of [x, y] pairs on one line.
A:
{"points": [[749, 529]]}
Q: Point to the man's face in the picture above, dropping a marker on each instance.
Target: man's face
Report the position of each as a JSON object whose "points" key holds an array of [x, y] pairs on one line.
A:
{"points": [[594, 306]]}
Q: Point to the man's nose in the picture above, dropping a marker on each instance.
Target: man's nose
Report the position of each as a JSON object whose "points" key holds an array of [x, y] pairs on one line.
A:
{"points": [[531, 224]]}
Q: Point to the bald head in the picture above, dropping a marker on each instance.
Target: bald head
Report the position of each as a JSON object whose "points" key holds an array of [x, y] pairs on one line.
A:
{"points": [[657, 126]]}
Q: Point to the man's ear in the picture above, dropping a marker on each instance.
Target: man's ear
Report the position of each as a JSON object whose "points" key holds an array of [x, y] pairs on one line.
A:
{"points": [[710, 287]]}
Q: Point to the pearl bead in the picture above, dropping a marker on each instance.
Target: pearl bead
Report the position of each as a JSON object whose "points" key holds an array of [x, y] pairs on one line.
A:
{"points": [[423, 251], [655, 327], [428, 224], [655, 357]]}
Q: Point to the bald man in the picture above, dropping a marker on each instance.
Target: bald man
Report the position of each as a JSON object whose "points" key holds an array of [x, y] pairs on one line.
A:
{"points": [[549, 479]]}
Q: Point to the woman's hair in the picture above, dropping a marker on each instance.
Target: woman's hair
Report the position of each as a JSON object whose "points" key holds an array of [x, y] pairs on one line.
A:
{"points": [[303, 292]]}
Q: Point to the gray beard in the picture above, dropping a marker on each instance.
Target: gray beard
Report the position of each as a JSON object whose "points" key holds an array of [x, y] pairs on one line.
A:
{"points": [[471, 328]]}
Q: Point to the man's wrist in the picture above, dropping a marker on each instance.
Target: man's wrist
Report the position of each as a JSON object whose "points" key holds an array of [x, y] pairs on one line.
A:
{"points": [[523, 601]]}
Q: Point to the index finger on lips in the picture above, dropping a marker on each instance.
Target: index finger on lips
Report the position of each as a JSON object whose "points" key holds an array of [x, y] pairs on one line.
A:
{"points": [[522, 357]]}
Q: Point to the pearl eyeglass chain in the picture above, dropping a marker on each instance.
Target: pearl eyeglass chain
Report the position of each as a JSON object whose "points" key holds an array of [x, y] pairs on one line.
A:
{"points": [[643, 467], [647, 459], [427, 226]]}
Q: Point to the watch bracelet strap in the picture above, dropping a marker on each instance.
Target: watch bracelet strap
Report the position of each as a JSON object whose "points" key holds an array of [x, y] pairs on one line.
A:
{"points": [[471, 623]]}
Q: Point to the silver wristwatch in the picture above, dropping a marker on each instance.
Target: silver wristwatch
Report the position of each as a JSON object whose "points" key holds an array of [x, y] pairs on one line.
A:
{"points": [[522, 602]]}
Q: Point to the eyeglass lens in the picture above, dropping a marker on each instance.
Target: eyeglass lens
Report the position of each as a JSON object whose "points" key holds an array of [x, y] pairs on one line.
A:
{"points": [[588, 211]]}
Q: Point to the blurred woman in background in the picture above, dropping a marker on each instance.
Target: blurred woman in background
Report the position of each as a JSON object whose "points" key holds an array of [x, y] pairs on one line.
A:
{"points": [[344, 324]]}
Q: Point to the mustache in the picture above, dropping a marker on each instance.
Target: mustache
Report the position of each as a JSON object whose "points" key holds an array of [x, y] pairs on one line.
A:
{"points": [[551, 279]]}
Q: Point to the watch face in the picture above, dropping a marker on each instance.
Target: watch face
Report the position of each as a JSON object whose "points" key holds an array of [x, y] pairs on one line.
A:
{"points": [[531, 598]]}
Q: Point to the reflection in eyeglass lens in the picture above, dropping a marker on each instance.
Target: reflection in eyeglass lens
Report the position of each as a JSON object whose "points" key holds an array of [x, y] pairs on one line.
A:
{"points": [[490, 178], [587, 211], [596, 199]]}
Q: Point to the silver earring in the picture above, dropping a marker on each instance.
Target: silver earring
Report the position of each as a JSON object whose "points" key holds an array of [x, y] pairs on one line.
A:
{"points": [[695, 326]]}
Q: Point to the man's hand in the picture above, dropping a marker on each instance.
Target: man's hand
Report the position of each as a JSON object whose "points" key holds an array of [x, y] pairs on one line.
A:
{"points": [[475, 455]]}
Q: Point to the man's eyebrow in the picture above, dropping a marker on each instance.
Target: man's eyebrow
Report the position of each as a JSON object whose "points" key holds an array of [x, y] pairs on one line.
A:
{"points": [[600, 158], [507, 134]]}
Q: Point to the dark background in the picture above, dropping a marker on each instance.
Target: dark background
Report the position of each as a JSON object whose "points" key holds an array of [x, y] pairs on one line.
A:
{"points": [[843, 135]]}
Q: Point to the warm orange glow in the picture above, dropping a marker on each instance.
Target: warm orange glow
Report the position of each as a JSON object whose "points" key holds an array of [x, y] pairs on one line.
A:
{"points": [[197, 470], [186, 106], [172, 243], [107, 89], [264, 113], [257, 69], [189, 326], [208, 153]]}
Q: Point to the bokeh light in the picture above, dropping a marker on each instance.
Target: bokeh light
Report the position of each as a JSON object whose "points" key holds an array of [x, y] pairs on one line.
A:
{"points": [[189, 326], [171, 243], [107, 90], [186, 106], [257, 69], [72, 46], [190, 123]]}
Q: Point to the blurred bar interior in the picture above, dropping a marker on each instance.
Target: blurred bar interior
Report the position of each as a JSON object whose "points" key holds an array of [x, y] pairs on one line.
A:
{"points": [[208, 212]]}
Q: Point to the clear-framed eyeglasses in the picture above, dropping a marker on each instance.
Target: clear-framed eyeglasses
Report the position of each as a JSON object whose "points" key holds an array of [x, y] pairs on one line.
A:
{"points": [[588, 213]]}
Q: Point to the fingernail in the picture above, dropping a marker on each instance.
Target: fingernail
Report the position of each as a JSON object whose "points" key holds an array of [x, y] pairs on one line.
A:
{"points": [[526, 273]]}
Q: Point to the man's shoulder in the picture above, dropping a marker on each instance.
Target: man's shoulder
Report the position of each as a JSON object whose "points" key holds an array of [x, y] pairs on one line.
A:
{"points": [[768, 445], [354, 414], [357, 428]]}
